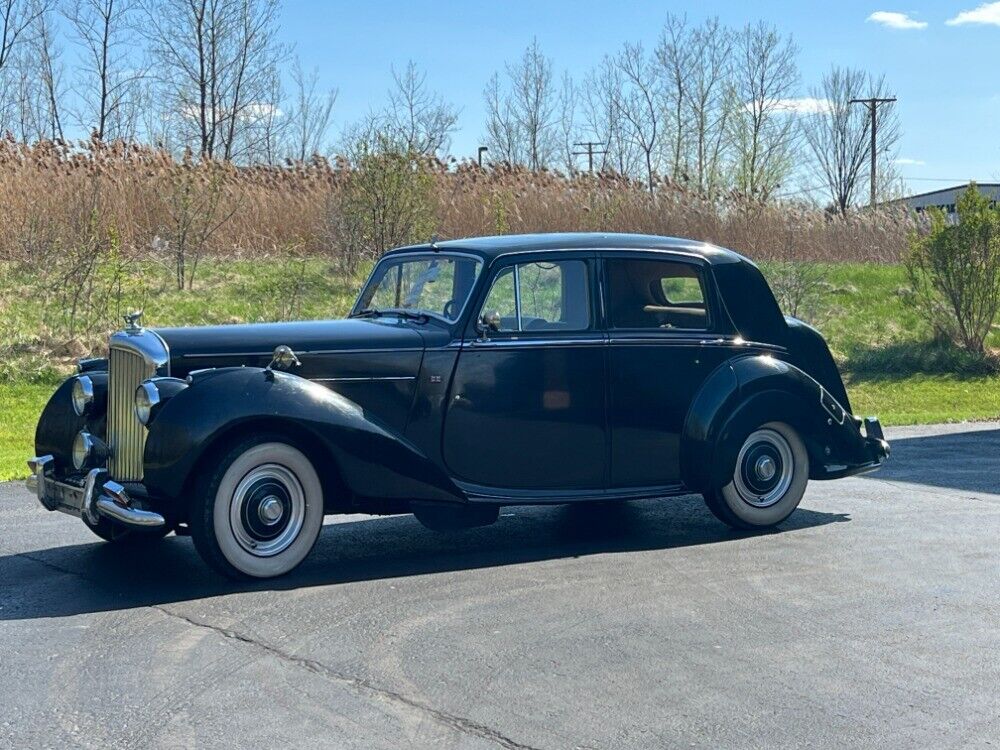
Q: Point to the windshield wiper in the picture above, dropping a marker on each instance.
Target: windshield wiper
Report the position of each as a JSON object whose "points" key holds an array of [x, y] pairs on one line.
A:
{"points": [[374, 312]]}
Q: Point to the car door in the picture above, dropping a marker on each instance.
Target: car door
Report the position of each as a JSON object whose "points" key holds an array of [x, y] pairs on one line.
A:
{"points": [[526, 408], [663, 342]]}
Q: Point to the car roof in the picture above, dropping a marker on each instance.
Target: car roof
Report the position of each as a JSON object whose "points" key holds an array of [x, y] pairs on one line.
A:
{"points": [[494, 247]]}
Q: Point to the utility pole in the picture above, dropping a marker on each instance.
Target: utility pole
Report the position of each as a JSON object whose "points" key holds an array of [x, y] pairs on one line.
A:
{"points": [[872, 104], [589, 145]]}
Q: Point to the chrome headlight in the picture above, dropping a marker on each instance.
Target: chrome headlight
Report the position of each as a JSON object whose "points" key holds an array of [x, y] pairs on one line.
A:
{"points": [[83, 394], [88, 451], [147, 396]]}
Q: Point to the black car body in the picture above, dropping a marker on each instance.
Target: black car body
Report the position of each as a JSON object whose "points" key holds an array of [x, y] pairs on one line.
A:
{"points": [[471, 374]]}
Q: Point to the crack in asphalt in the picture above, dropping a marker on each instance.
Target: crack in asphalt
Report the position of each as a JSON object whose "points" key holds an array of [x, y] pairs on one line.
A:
{"points": [[357, 684]]}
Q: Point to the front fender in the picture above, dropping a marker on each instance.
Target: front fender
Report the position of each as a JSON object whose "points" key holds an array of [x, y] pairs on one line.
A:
{"points": [[743, 394], [231, 403]]}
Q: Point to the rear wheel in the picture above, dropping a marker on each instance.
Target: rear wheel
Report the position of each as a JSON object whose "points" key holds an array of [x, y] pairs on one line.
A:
{"points": [[768, 480], [259, 512]]}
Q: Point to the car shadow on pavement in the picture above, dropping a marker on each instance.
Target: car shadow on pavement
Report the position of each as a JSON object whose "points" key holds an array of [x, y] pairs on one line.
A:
{"points": [[364, 550], [968, 461]]}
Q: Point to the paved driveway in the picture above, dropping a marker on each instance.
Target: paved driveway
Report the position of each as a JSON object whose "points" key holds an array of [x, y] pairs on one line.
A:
{"points": [[871, 619]]}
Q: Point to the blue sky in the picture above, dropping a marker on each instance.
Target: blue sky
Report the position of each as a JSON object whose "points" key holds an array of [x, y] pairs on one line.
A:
{"points": [[944, 74]]}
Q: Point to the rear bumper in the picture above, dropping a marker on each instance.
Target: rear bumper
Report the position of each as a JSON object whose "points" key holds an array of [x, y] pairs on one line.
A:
{"points": [[874, 451], [91, 497]]}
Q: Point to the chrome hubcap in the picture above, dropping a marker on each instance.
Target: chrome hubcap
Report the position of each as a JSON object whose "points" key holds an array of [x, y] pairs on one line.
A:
{"points": [[267, 510], [270, 510], [764, 468]]}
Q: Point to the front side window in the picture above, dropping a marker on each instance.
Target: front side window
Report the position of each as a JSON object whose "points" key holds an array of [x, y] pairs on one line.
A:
{"points": [[656, 294], [438, 285], [540, 296]]}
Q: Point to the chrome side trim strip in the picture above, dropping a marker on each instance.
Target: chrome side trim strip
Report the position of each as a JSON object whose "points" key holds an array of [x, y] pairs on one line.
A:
{"points": [[363, 379], [206, 355], [515, 343]]}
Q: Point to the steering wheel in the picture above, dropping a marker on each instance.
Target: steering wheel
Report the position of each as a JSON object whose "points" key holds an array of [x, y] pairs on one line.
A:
{"points": [[449, 308]]}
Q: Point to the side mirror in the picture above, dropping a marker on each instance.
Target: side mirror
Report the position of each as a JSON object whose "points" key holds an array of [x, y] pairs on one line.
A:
{"points": [[489, 322]]}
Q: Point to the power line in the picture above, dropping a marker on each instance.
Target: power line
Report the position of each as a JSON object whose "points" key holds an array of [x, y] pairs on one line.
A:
{"points": [[589, 145]]}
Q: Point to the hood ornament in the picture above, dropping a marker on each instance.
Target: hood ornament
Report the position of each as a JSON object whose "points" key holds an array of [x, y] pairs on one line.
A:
{"points": [[133, 321]]}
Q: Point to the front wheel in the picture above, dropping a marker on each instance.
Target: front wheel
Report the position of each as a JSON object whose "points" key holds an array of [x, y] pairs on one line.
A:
{"points": [[260, 511], [768, 481]]}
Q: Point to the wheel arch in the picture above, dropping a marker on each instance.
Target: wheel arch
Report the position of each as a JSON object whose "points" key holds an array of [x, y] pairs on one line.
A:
{"points": [[356, 454], [737, 398], [337, 495]]}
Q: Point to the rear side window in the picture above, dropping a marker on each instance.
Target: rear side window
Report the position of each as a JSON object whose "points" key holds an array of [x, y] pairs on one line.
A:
{"points": [[656, 294]]}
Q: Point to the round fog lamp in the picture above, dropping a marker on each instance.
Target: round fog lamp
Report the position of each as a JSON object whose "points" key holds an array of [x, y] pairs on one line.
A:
{"points": [[83, 450], [83, 395]]}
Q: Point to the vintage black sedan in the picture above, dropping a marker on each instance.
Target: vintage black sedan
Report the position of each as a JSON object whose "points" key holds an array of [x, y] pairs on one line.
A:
{"points": [[471, 374]]}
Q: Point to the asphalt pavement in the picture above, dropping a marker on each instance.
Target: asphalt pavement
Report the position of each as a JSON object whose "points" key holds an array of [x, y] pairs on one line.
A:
{"points": [[871, 618]]}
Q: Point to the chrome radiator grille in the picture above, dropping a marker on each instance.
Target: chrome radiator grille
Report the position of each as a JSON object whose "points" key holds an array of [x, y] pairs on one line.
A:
{"points": [[126, 435]]}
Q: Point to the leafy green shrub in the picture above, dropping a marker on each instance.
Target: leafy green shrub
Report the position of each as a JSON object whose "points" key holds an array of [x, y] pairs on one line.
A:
{"points": [[955, 271], [386, 201], [901, 359]]}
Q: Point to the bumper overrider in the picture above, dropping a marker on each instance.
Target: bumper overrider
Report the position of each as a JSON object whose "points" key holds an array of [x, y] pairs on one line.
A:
{"points": [[92, 496], [875, 450]]}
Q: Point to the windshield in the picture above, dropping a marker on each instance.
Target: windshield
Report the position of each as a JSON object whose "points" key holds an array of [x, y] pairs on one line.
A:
{"points": [[432, 284]]}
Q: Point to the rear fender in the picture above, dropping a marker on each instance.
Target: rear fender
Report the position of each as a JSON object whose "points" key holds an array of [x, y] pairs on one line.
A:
{"points": [[743, 394], [230, 403]]}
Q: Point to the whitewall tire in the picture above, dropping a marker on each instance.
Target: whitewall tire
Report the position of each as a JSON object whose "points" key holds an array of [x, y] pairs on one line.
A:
{"points": [[260, 512], [768, 480]]}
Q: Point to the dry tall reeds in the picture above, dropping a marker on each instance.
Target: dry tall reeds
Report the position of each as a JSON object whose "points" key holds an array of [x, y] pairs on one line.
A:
{"points": [[57, 198]]}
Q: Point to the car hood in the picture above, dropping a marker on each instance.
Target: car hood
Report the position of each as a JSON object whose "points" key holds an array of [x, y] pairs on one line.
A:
{"points": [[233, 345]]}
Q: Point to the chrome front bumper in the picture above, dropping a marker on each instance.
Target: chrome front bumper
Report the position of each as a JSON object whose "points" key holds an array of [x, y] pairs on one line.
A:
{"points": [[98, 496]]}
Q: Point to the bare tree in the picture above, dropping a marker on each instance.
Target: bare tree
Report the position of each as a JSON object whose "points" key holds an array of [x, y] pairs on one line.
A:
{"points": [[310, 115], [603, 116], [763, 134], [534, 104], [567, 123], [639, 104], [839, 134], [109, 75], [520, 125], [707, 101], [503, 131], [419, 119], [216, 62], [34, 84], [50, 74], [17, 17], [674, 54]]}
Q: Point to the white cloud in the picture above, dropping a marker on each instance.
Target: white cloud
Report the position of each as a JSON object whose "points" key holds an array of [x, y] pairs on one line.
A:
{"points": [[895, 20], [904, 162], [805, 105], [987, 13]]}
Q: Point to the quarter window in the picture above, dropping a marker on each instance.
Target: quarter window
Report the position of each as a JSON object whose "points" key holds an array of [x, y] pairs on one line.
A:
{"points": [[541, 296], [656, 294]]}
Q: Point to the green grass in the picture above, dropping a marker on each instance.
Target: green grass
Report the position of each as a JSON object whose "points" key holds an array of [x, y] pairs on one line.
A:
{"points": [[20, 405], [927, 399], [879, 341]]}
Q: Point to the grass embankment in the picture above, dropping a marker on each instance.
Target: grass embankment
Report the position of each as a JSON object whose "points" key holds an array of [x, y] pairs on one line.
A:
{"points": [[878, 340]]}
